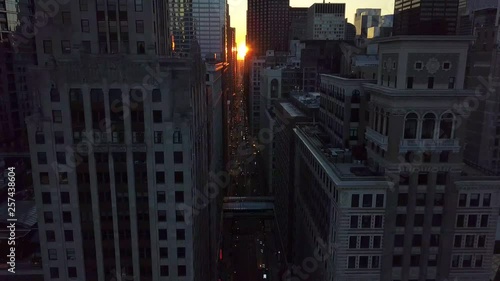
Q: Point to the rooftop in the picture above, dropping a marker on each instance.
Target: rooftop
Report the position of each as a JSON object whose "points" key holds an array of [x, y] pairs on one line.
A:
{"points": [[308, 99], [344, 168], [291, 109]]}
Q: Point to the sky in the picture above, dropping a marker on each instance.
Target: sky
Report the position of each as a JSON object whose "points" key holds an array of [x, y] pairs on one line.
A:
{"points": [[238, 10]]}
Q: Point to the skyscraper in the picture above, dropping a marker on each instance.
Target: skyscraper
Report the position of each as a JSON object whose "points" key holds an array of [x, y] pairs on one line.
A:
{"points": [[326, 22], [17, 54], [119, 146], [366, 18], [298, 23], [267, 26], [425, 17]]}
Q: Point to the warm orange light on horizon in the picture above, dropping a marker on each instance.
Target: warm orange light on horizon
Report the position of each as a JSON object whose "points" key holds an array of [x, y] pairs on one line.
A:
{"points": [[242, 51]]}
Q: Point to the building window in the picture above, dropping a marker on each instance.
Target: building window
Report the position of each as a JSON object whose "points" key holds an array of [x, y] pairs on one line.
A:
{"points": [[439, 199], [84, 6], [164, 252], [42, 158], [411, 123], [177, 137], [141, 47], [379, 201], [61, 157], [402, 199], [139, 26], [50, 235], [159, 158], [48, 217], [353, 242], [354, 221], [162, 234], [52, 254], [156, 95], [162, 215], [467, 261], [486, 199], [366, 221], [70, 254], [56, 116], [419, 65], [138, 5], [157, 116], [72, 272], [66, 47], [351, 262], [163, 268], [161, 197], [397, 260], [400, 220], [479, 261], [446, 126], [484, 221], [446, 66], [419, 220], [354, 200], [179, 197], [178, 157], [66, 18], [460, 221], [65, 197], [444, 156], [367, 200], [428, 126], [47, 47], [59, 137], [46, 198], [179, 177], [415, 260], [160, 177], [409, 83], [66, 217], [181, 270], [430, 82], [421, 199], [181, 252], [54, 272], [423, 178], [451, 83], [86, 47], [437, 220], [68, 235], [85, 26], [158, 137], [474, 200]]}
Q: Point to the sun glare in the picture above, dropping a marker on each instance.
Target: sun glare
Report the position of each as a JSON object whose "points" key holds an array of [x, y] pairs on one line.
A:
{"points": [[242, 50]]}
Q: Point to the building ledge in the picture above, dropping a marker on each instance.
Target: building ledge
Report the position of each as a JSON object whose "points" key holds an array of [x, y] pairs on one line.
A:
{"points": [[417, 92], [429, 145]]}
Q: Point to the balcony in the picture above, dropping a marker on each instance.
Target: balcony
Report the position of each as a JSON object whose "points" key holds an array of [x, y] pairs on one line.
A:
{"points": [[429, 145], [377, 138]]}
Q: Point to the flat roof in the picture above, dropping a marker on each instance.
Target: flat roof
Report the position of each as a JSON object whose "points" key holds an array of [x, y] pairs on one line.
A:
{"points": [[291, 109]]}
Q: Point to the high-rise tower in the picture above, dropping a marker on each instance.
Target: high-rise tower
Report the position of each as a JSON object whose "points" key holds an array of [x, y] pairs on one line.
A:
{"points": [[119, 144]]}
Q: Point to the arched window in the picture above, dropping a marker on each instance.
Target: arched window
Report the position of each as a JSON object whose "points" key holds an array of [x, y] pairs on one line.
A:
{"points": [[446, 126], [411, 123], [428, 125]]}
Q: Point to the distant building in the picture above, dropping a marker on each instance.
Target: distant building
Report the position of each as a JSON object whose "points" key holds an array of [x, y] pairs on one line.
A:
{"points": [[425, 17], [350, 31], [366, 18], [326, 22], [298, 23], [384, 28], [267, 26]]}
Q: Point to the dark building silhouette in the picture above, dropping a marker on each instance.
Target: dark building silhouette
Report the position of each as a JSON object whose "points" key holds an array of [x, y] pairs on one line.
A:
{"points": [[425, 17], [267, 26], [298, 23]]}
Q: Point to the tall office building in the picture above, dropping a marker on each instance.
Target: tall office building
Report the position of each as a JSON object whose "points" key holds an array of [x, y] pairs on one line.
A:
{"points": [[267, 26], [298, 23], [17, 53], [119, 146], [483, 141], [326, 22], [407, 208], [366, 18], [425, 17], [209, 25]]}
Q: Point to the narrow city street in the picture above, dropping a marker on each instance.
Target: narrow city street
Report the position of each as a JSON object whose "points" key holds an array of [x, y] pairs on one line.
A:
{"points": [[249, 248]]}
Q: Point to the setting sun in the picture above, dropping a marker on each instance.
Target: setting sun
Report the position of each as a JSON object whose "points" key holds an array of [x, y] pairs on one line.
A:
{"points": [[242, 50]]}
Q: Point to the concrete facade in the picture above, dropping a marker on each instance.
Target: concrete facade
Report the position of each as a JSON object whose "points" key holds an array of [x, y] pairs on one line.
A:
{"points": [[326, 22]]}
